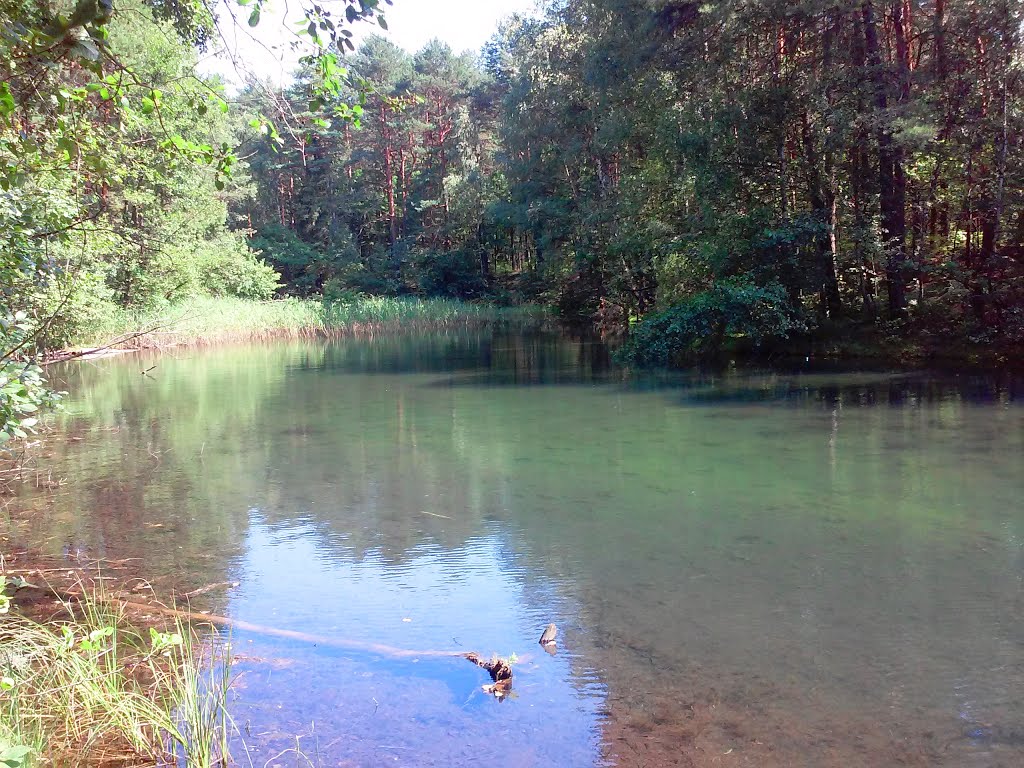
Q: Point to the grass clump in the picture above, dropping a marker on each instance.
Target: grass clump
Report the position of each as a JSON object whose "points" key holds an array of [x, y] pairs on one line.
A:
{"points": [[89, 688]]}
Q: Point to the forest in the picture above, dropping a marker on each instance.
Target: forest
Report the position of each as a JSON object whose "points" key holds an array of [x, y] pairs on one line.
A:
{"points": [[475, 267], [709, 176], [719, 171]]}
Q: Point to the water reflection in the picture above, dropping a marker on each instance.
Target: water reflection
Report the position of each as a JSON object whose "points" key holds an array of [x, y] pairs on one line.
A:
{"points": [[801, 567], [297, 576]]}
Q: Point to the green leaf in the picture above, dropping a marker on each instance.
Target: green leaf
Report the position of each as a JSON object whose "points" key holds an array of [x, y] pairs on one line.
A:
{"points": [[148, 105], [14, 757], [254, 17], [382, 22], [85, 49]]}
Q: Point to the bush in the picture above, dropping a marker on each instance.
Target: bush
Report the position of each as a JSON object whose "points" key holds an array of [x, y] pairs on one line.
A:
{"points": [[296, 260], [729, 317], [23, 389], [233, 270], [453, 275], [336, 292]]}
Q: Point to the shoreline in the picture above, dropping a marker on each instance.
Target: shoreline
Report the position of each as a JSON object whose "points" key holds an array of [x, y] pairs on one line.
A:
{"points": [[106, 675], [214, 321], [211, 321]]}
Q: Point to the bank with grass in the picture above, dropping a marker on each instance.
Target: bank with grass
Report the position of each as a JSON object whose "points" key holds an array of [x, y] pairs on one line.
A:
{"points": [[85, 681], [212, 320]]}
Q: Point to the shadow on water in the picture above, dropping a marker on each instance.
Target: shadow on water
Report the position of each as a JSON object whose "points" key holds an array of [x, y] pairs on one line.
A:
{"points": [[792, 567]]}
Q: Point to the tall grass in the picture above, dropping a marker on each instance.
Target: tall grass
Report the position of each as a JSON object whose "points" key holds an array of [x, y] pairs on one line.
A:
{"points": [[207, 320], [92, 690]]}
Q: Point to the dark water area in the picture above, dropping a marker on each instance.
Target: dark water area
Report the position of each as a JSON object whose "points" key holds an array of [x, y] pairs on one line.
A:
{"points": [[747, 567]]}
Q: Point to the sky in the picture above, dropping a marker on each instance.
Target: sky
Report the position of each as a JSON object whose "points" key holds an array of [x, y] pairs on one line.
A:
{"points": [[264, 51]]}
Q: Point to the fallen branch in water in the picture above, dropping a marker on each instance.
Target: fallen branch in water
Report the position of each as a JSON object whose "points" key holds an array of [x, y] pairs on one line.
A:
{"points": [[501, 674], [499, 669], [113, 345], [332, 642], [211, 588]]}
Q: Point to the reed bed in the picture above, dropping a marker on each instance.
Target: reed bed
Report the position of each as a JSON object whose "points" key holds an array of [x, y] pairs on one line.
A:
{"points": [[214, 320]]}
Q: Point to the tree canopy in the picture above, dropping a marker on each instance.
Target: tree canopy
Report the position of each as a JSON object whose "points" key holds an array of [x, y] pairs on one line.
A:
{"points": [[744, 172]]}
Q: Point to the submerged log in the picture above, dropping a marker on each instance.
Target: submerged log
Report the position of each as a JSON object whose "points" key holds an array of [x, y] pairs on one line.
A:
{"points": [[499, 669], [211, 588]]}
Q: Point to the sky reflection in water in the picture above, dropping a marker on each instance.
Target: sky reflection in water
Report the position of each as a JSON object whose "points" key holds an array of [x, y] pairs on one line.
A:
{"points": [[419, 710]]}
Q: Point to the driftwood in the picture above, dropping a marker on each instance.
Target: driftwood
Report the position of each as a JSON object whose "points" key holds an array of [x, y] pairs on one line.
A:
{"points": [[108, 348], [548, 641]]}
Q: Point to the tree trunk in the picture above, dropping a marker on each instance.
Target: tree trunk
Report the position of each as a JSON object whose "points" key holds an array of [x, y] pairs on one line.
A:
{"points": [[822, 199], [389, 178], [892, 183]]}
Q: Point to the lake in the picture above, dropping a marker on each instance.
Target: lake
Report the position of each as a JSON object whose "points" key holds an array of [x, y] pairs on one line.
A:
{"points": [[747, 568]]}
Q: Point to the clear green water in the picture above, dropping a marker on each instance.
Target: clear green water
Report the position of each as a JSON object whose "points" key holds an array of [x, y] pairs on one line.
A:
{"points": [[803, 568]]}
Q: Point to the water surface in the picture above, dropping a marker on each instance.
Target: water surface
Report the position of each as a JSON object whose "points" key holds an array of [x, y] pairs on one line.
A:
{"points": [[747, 568]]}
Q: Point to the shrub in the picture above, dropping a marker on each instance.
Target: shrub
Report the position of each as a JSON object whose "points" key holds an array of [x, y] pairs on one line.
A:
{"points": [[452, 274], [732, 315], [231, 269]]}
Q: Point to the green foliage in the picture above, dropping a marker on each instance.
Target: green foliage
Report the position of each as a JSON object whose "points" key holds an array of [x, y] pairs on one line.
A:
{"points": [[605, 159], [734, 315], [779, 142], [14, 755], [389, 207], [205, 320], [110, 175], [452, 274], [68, 692], [23, 389], [302, 266], [229, 268]]}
